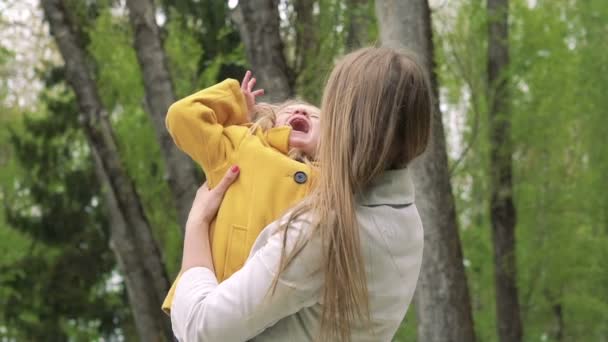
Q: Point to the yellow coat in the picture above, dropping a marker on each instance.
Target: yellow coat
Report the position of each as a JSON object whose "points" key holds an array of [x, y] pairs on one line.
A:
{"points": [[212, 127]]}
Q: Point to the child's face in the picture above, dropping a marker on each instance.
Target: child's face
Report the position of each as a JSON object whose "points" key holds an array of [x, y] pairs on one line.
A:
{"points": [[304, 122]]}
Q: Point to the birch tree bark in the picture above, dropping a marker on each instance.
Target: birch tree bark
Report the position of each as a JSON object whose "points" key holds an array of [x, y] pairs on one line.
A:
{"points": [[442, 299], [502, 210], [258, 24], [131, 237], [180, 170]]}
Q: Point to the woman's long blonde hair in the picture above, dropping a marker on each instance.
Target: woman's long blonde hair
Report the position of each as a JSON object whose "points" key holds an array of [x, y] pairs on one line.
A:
{"points": [[375, 115]]}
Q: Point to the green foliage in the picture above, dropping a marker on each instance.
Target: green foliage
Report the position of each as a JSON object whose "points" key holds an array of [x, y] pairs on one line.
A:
{"points": [[5, 56], [331, 20], [561, 235], [14, 244], [118, 75], [207, 21], [52, 215], [183, 51], [203, 45], [407, 330]]}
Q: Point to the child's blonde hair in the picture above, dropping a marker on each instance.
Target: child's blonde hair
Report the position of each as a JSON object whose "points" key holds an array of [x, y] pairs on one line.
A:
{"points": [[265, 117]]}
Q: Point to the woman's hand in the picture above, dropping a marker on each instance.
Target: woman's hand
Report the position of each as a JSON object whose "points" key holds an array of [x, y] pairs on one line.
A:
{"points": [[197, 249], [250, 94], [207, 202]]}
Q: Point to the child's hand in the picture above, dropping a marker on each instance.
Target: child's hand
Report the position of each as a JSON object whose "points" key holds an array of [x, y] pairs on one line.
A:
{"points": [[250, 94]]}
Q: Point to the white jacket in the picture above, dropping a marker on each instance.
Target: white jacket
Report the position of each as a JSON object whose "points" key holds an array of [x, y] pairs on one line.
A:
{"points": [[241, 309]]}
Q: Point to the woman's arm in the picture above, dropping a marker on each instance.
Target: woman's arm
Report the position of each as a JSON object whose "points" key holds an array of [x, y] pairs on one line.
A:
{"points": [[197, 249], [241, 307]]}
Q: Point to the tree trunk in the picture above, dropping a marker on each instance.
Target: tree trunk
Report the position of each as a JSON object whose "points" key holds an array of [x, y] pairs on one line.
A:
{"points": [[359, 22], [306, 34], [180, 171], [149, 323], [131, 237], [502, 210], [442, 298], [258, 23]]}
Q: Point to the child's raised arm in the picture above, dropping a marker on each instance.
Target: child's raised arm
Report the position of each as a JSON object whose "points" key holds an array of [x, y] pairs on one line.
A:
{"points": [[197, 122]]}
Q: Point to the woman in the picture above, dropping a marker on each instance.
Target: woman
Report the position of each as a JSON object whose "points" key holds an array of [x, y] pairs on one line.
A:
{"points": [[343, 264]]}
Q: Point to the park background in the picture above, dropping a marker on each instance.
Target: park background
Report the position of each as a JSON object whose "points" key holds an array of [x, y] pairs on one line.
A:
{"points": [[513, 190]]}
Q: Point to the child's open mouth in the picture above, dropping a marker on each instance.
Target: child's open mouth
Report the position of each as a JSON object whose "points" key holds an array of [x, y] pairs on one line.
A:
{"points": [[299, 124]]}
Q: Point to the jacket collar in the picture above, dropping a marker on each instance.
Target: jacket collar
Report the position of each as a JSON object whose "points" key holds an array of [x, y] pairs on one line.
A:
{"points": [[392, 187], [278, 137]]}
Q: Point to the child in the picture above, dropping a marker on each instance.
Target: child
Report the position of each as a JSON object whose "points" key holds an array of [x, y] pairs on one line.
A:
{"points": [[213, 127]]}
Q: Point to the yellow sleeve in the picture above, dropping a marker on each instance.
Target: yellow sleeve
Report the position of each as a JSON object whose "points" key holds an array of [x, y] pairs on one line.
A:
{"points": [[166, 307], [197, 122]]}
